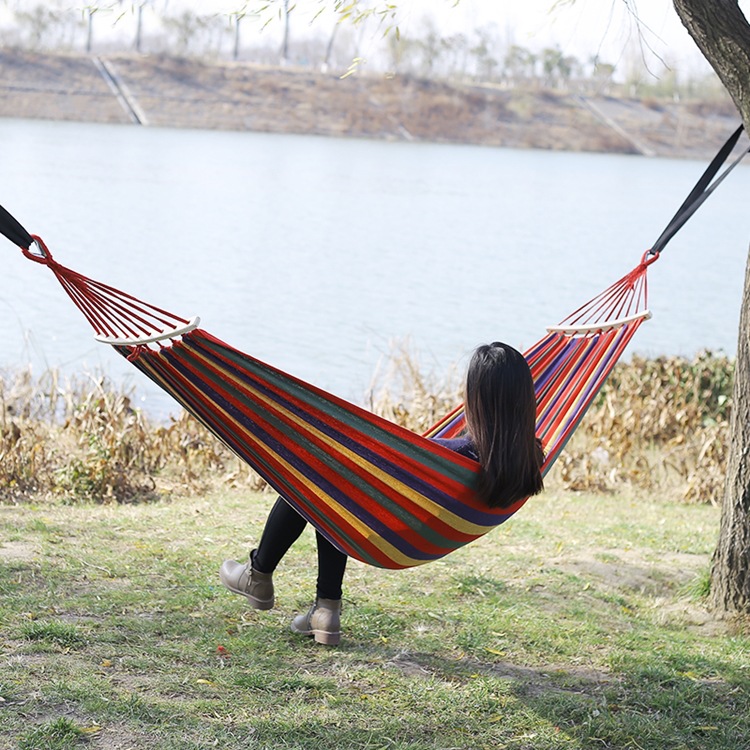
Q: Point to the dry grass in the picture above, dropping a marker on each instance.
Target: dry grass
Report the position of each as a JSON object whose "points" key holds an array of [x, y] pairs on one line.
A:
{"points": [[407, 395], [82, 440], [659, 425]]}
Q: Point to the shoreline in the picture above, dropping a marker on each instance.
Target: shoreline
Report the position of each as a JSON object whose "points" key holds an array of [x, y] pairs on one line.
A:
{"points": [[160, 91]]}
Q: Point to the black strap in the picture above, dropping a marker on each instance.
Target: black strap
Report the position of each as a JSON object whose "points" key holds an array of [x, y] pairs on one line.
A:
{"points": [[14, 231], [703, 188]]}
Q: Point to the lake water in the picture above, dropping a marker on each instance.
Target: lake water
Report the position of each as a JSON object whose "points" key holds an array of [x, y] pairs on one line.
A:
{"points": [[315, 254]]}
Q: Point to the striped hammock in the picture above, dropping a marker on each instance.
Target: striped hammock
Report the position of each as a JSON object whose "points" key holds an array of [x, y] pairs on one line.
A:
{"points": [[377, 491]]}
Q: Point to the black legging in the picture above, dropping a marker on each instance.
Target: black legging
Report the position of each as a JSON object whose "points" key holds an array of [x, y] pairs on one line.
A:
{"points": [[283, 528]]}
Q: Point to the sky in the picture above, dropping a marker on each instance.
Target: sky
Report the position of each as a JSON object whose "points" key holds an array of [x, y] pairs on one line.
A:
{"points": [[582, 28], [611, 29], [578, 27]]}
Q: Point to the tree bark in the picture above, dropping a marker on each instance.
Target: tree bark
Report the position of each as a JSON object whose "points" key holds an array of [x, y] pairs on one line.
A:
{"points": [[730, 570], [722, 33]]}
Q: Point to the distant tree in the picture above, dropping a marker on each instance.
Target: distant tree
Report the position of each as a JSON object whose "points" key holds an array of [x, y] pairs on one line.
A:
{"points": [[89, 13], [38, 22], [550, 59], [569, 67], [212, 33], [520, 63], [402, 52], [557, 68], [285, 40], [602, 74], [486, 62], [431, 47], [235, 20], [455, 52], [138, 43], [184, 27], [325, 65]]}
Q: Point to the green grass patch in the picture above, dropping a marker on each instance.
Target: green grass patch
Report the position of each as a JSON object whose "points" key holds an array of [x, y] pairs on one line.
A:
{"points": [[60, 734], [53, 633], [579, 624]]}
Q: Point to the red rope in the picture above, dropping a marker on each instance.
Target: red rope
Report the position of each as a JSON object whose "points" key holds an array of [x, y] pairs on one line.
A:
{"points": [[110, 312], [627, 296]]}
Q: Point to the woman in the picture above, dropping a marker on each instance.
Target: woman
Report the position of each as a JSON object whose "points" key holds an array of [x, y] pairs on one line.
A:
{"points": [[500, 410]]}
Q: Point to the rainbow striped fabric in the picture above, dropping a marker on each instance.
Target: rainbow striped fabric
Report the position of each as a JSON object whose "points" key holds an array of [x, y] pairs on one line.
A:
{"points": [[378, 492], [381, 493]]}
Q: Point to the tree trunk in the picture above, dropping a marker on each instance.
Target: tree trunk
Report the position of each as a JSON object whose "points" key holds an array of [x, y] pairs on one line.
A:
{"points": [[139, 28], [285, 42], [90, 31], [236, 47], [722, 33], [730, 571]]}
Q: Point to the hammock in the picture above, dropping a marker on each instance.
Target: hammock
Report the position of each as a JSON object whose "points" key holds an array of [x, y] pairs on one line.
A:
{"points": [[378, 492]]}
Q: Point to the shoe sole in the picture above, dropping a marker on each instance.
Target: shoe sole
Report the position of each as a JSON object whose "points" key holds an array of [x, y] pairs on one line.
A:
{"points": [[321, 636], [326, 638], [255, 603]]}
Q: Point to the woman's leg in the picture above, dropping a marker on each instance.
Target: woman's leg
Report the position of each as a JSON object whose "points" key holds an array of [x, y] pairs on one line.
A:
{"points": [[331, 569], [253, 579], [283, 527], [323, 620]]}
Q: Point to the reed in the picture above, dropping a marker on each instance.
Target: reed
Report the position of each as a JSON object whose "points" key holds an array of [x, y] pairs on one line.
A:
{"points": [[661, 425], [404, 392]]}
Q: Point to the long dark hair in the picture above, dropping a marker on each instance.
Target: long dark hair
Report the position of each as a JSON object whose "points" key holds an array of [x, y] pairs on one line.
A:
{"points": [[500, 419]]}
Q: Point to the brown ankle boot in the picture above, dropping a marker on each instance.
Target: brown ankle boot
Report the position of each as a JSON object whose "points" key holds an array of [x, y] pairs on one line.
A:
{"points": [[255, 586], [322, 622]]}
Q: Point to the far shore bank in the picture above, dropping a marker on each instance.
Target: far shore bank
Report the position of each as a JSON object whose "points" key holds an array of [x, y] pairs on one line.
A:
{"points": [[187, 93]]}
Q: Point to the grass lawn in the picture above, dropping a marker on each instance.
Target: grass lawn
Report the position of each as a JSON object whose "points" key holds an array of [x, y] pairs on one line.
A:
{"points": [[579, 624]]}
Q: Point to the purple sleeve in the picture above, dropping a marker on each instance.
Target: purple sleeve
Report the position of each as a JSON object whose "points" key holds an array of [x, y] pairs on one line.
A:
{"points": [[462, 445]]}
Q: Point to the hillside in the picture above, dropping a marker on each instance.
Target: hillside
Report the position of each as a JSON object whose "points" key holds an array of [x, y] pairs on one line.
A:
{"points": [[182, 93]]}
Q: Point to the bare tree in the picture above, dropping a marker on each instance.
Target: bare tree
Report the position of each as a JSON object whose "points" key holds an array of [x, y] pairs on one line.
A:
{"points": [[431, 49], [193, 33], [89, 27], [557, 67], [285, 41], [139, 26], [602, 74], [482, 50], [520, 63], [329, 49], [41, 24], [236, 18]]}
